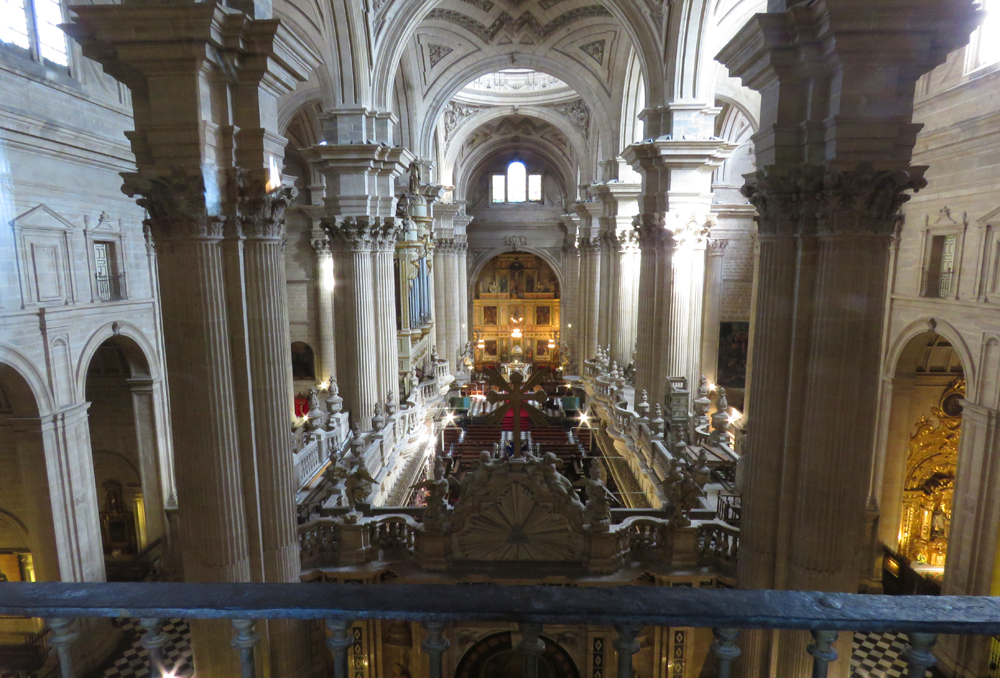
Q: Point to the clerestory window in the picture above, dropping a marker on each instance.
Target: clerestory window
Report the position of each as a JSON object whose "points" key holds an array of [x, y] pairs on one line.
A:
{"points": [[31, 27], [517, 185], [984, 47]]}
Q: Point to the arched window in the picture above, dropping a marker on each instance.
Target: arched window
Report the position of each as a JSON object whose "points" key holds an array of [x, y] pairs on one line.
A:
{"points": [[33, 28], [303, 363], [984, 47], [517, 185]]}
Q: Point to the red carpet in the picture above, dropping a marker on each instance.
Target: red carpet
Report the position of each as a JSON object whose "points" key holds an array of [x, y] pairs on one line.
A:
{"points": [[508, 421]]}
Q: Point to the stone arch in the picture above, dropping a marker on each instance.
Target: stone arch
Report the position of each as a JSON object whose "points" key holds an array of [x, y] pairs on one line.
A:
{"points": [[11, 528], [544, 255], [25, 383], [403, 18], [558, 662], [946, 330], [480, 157], [470, 125], [442, 95], [139, 350]]}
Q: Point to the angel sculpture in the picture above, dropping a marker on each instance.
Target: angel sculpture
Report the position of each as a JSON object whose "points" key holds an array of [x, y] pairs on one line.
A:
{"points": [[684, 495], [358, 484], [553, 478], [597, 510], [438, 488]]}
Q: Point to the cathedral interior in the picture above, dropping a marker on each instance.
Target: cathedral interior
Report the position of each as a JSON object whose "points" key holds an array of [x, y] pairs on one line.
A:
{"points": [[622, 298]]}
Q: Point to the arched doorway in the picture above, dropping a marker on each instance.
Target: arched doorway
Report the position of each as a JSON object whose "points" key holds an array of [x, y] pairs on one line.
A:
{"points": [[516, 308], [921, 453], [122, 419], [496, 657]]}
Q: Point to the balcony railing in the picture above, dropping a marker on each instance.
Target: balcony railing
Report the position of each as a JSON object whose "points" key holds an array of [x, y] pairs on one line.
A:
{"points": [[626, 608], [935, 283], [111, 287]]}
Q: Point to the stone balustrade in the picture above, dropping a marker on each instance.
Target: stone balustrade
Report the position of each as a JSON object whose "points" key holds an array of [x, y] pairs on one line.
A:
{"points": [[626, 608]]}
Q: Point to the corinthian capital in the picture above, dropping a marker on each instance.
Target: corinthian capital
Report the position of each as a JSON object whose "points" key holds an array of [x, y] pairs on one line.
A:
{"points": [[176, 205], [352, 234], [260, 213]]}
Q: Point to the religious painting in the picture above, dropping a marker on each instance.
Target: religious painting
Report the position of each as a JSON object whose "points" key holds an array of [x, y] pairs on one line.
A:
{"points": [[734, 340], [303, 363], [543, 315], [542, 348], [516, 315], [504, 283], [489, 315], [529, 283], [490, 350]]}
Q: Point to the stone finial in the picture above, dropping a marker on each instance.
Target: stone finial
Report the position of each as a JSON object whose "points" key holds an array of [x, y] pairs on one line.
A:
{"points": [[378, 421], [658, 420], [643, 407], [334, 403], [434, 353], [390, 403], [314, 408], [720, 420]]}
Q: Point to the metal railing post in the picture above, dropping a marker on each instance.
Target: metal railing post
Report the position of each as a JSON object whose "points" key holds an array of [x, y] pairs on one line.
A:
{"points": [[64, 632], [531, 648], [244, 640], [153, 640], [724, 649], [626, 645], [338, 642], [822, 651], [918, 654], [435, 646]]}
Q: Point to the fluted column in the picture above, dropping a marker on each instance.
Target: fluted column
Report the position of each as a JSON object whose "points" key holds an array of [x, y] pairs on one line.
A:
{"points": [[383, 249], [456, 298], [655, 250], [827, 210], [270, 374], [441, 305], [570, 326], [683, 350], [607, 282], [324, 294], [590, 283], [354, 303], [712, 310], [462, 292], [624, 299]]}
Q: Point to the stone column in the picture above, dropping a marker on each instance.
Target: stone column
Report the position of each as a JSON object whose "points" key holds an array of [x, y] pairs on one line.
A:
{"points": [[354, 303], [384, 249], [324, 293], [974, 534], [462, 290], [607, 281], [827, 208], [455, 301], [147, 434], [590, 281], [270, 374], [897, 395], [569, 326], [655, 249], [712, 310], [624, 298], [441, 306]]}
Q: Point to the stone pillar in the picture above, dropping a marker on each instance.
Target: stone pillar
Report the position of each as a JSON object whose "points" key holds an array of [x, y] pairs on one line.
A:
{"points": [[897, 395], [325, 277], [384, 249], [974, 534], [712, 310], [827, 209], [688, 293], [441, 306], [354, 302], [607, 280], [146, 432], [455, 301], [270, 374], [624, 297], [655, 249], [569, 326], [590, 283], [464, 299]]}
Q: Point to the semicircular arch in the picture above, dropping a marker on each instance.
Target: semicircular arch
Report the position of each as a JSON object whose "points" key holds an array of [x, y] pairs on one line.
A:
{"points": [[925, 325], [473, 166], [139, 351]]}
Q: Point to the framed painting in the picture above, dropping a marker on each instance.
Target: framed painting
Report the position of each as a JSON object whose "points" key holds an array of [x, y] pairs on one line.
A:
{"points": [[489, 315], [543, 315]]}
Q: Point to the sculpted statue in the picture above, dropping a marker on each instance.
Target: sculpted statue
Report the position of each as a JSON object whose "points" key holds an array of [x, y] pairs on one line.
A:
{"points": [[597, 511], [553, 478], [438, 488], [314, 400], [415, 179], [358, 484]]}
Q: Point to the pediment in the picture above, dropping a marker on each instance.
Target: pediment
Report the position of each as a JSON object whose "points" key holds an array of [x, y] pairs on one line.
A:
{"points": [[42, 218]]}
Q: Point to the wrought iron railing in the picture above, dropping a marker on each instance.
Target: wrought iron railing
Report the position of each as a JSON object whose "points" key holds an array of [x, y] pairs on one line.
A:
{"points": [[627, 608], [935, 283], [111, 287]]}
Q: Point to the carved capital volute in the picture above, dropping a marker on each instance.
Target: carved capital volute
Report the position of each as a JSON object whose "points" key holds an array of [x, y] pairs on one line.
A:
{"points": [[175, 204]]}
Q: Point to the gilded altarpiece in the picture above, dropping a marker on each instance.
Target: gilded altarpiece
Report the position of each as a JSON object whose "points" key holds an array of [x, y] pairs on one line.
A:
{"points": [[516, 290], [930, 480]]}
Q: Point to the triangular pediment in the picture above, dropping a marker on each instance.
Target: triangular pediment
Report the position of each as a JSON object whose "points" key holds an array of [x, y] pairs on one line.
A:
{"points": [[42, 217]]}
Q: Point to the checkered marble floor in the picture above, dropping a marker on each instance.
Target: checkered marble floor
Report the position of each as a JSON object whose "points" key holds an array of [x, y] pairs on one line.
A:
{"points": [[879, 655], [134, 661]]}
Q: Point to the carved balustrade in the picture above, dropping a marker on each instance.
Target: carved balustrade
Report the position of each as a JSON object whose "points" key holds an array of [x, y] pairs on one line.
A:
{"points": [[718, 543], [627, 608]]}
